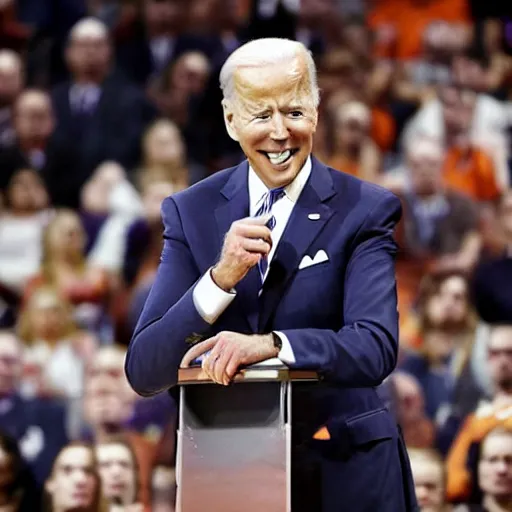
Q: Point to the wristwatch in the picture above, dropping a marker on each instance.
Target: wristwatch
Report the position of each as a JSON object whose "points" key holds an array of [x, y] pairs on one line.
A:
{"points": [[277, 342]]}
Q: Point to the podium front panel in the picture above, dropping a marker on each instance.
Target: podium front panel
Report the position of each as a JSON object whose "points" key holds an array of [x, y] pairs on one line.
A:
{"points": [[233, 448]]}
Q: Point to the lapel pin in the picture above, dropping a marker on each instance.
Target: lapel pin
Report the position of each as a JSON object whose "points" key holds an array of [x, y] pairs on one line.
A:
{"points": [[314, 216]]}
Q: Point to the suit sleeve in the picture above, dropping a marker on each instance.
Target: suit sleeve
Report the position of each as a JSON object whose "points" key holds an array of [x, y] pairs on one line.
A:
{"points": [[364, 351], [169, 315]]}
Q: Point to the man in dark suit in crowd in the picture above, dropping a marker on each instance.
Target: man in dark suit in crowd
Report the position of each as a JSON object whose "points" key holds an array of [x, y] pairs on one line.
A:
{"points": [[306, 274], [38, 424], [35, 148], [98, 113]]}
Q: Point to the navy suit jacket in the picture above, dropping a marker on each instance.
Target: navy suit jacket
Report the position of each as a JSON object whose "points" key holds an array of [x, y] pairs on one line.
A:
{"points": [[340, 317]]}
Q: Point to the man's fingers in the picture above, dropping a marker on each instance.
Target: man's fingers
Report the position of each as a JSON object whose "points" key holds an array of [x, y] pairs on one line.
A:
{"points": [[251, 231], [198, 350], [232, 367], [260, 246]]}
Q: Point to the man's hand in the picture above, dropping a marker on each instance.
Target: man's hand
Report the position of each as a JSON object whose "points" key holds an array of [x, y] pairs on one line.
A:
{"points": [[228, 351], [245, 243]]}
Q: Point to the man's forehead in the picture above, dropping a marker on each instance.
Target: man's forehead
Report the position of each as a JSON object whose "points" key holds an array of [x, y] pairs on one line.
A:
{"points": [[289, 82]]}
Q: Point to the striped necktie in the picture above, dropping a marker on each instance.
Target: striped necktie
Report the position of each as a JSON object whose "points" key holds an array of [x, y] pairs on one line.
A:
{"points": [[271, 197]]}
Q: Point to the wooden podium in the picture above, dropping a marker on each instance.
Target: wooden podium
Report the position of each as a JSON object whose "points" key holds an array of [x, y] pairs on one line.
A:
{"points": [[234, 442]]}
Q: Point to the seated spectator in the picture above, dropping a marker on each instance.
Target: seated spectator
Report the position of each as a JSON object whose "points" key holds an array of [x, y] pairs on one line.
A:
{"points": [[98, 115], [18, 492], [353, 150], [488, 123], [74, 483], [36, 148], [107, 407], [399, 25], [439, 228], [416, 80], [22, 223], [486, 417], [494, 471], [38, 424], [144, 236], [164, 155], [418, 430], [149, 416], [56, 352], [177, 90], [64, 266], [119, 473], [109, 204], [467, 168], [11, 84], [429, 480], [492, 280]]}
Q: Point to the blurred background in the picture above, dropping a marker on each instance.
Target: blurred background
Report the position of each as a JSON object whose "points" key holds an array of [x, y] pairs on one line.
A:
{"points": [[109, 106]]}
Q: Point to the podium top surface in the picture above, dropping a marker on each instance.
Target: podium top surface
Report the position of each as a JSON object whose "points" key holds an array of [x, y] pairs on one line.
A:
{"points": [[268, 371]]}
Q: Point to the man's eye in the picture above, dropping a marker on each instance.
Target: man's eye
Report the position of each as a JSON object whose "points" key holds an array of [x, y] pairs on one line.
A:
{"points": [[263, 116], [296, 113]]}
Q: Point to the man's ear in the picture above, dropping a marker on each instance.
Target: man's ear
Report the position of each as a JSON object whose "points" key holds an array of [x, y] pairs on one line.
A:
{"points": [[229, 115]]}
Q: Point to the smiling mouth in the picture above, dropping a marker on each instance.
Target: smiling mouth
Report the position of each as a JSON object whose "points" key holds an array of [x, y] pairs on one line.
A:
{"points": [[279, 158]]}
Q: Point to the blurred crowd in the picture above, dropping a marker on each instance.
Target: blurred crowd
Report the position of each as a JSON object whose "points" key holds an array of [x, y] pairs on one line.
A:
{"points": [[109, 106]]}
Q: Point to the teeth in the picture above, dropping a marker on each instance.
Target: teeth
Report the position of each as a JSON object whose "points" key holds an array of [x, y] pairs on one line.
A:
{"points": [[279, 158]]}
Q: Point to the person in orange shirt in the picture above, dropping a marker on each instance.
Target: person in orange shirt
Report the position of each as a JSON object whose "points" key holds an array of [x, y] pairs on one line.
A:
{"points": [[487, 417], [467, 168], [399, 24]]}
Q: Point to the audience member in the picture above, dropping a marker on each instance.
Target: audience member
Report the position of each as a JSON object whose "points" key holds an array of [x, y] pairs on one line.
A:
{"points": [[74, 482], [38, 424], [488, 414]]}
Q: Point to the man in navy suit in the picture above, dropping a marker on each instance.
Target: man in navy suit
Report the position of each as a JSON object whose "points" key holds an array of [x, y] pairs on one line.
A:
{"points": [[305, 274]]}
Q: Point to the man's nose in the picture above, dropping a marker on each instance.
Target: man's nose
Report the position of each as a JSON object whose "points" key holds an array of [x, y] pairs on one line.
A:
{"points": [[279, 130]]}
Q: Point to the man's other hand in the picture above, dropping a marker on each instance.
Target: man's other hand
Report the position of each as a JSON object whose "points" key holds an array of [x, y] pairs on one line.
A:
{"points": [[245, 243], [228, 351]]}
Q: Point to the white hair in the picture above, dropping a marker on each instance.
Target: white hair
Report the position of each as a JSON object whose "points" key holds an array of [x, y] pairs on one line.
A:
{"points": [[265, 52], [89, 27]]}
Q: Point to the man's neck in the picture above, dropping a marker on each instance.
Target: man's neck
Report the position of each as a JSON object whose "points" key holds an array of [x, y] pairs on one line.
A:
{"points": [[493, 504]]}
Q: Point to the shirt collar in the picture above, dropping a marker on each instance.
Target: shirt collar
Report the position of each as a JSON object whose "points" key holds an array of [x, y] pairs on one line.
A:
{"points": [[258, 189]]}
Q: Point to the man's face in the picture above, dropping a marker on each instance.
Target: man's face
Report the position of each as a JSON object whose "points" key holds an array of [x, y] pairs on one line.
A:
{"points": [[500, 357], [34, 118], [273, 117], [117, 472], [448, 308], [73, 482], [495, 466], [164, 14], [89, 54], [10, 363], [425, 172], [428, 482]]}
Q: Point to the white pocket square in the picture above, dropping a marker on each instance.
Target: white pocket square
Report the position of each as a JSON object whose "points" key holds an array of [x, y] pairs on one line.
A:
{"points": [[307, 261]]}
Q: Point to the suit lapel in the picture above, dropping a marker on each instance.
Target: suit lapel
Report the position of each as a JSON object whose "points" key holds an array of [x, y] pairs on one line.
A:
{"points": [[299, 234], [235, 206]]}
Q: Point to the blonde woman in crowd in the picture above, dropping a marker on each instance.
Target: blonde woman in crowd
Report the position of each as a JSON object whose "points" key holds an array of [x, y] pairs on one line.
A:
{"points": [[65, 267], [55, 350], [429, 480], [74, 483]]}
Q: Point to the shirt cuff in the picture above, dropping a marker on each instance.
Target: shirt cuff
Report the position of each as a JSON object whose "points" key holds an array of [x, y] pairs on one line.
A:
{"points": [[209, 299], [286, 354]]}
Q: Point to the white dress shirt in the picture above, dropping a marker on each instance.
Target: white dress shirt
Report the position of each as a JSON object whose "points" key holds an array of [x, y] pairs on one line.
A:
{"points": [[210, 300]]}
